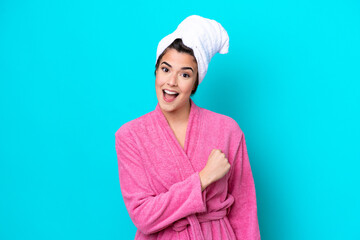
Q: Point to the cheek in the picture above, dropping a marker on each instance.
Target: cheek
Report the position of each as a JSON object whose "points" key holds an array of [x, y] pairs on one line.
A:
{"points": [[159, 81], [187, 87]]}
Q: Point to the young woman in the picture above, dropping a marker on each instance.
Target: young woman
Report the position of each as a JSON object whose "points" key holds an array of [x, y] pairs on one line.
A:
{"points": [[184, 170]]}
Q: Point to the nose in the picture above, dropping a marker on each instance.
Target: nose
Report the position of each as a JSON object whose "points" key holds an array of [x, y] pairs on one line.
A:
{"points": [[172, 80]]}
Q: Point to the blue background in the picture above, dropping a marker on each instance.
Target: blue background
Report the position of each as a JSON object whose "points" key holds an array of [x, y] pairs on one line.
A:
{"points": [[72, 72]]}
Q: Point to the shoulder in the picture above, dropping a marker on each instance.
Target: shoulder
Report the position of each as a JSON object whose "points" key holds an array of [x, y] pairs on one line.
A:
{"points": [[133, 126], [221, 121]]}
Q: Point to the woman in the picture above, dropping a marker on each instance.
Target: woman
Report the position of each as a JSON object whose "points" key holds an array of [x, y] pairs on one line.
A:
{"points": [[184, 170]]}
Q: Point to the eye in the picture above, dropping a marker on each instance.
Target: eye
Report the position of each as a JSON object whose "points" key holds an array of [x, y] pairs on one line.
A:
{"points": [[164, 69], [185, 75]]}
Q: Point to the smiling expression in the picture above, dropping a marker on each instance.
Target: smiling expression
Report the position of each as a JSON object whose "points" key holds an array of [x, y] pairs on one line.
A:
{"points": [[176, 73]]}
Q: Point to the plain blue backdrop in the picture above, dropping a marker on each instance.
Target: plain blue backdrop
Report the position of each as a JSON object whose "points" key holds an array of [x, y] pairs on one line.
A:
{"points": [[72, 72]]}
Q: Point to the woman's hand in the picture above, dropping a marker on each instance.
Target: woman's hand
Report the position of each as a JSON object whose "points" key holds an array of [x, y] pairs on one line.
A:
{"points": [[216, 168]]}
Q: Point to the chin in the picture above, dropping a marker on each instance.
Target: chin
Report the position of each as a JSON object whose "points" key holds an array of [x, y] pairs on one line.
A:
{"points": [[166, 107]]}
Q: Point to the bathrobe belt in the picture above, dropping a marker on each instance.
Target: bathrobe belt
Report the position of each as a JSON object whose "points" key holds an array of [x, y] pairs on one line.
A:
{"points": [[195, 220]]}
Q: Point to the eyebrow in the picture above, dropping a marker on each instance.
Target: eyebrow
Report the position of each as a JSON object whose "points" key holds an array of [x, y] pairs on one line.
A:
{"points": [[184, 68]]}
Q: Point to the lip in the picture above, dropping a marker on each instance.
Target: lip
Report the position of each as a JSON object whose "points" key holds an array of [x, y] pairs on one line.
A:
{"points": [[170, 90], [167, 100]]}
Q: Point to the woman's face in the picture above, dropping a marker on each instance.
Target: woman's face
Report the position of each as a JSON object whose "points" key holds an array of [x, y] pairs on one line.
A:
{"points": [[176, 73]]}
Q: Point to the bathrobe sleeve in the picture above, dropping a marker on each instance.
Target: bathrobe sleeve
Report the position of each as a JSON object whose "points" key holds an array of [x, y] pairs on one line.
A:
{"points": [[243, 213], [149, 211]]}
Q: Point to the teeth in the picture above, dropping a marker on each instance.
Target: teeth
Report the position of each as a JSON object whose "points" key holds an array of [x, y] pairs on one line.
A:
{"points": [[168, 92]]}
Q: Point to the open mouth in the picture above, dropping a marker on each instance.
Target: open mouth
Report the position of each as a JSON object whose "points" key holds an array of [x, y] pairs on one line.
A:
{"points": [[169, 96]]}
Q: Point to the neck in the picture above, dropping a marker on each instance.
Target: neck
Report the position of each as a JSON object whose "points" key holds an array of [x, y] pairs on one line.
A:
{"points": [[178, 117]]}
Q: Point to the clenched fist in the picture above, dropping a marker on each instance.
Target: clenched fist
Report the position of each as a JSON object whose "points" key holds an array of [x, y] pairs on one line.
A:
{"points": [[216, 168]]}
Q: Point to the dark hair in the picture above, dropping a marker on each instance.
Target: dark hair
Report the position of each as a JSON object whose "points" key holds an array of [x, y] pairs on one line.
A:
{"points": [[179, 46]]}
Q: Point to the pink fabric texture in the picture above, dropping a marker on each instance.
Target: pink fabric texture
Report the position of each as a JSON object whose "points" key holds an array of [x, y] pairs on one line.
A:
{"points": [[160, 181]]}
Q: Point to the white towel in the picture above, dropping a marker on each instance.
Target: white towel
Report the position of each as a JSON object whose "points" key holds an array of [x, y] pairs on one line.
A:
{"points": [[204, 36]]}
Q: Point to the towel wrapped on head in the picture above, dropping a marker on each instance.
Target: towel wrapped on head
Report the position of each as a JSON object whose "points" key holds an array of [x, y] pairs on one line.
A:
{"points": [[204, 36]]}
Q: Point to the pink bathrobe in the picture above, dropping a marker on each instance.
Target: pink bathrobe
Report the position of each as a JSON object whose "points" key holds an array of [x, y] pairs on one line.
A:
{"points": [[160, 180]]}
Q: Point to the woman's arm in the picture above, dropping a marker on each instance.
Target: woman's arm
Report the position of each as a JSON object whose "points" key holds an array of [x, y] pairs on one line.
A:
{"points": [[151, 212], [243, 213]]}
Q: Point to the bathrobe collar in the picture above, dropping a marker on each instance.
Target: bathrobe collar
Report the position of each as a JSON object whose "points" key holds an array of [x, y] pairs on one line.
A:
{"points": [[191, 139]]}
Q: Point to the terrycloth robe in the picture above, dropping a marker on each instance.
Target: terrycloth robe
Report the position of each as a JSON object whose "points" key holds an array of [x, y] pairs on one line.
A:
{"points": [[160, 181]]}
